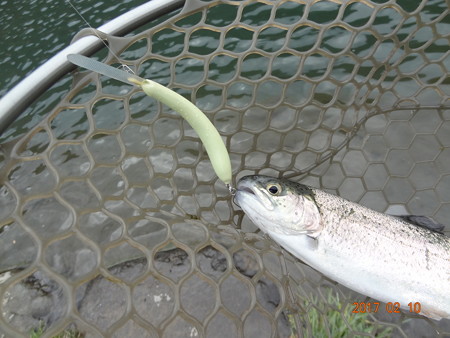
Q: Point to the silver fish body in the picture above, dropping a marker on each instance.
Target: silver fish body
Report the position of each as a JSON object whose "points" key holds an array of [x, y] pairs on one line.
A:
{"points": [[372, 253]]}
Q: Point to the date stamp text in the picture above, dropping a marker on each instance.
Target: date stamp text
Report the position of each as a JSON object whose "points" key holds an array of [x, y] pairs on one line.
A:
{"points": [[391, 307]]}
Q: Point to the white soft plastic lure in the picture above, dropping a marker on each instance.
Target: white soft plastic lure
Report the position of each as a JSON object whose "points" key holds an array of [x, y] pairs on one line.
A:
{"points": [[375, 254], [208, 134]]}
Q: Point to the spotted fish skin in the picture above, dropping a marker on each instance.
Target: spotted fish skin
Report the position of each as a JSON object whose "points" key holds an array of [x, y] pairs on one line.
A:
{"points": [[375, 254]]}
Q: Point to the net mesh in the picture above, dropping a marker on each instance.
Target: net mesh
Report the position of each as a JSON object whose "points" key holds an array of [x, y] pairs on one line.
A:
{"points": [[113, 223]]}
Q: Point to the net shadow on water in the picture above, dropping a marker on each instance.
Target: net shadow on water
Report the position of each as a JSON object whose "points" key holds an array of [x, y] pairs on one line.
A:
{"points": [[114, 224]]}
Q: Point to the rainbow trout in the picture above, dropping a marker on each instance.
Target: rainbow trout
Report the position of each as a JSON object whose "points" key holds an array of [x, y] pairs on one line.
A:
{"points": [[375, 254]]}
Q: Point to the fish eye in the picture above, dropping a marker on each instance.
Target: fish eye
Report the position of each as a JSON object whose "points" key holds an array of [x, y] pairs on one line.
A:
{"points": [[274, 189]]}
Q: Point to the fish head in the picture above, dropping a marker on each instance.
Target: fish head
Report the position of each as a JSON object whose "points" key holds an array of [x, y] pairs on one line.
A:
{"points": [[278, 205]]}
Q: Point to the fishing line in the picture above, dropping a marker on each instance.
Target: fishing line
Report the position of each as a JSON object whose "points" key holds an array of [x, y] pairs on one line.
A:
{"points": [[123, 66], [355, 129]]}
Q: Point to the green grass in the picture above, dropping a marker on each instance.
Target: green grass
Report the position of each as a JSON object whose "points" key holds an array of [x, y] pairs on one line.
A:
{"points": [[37, 333], [331, 320]]}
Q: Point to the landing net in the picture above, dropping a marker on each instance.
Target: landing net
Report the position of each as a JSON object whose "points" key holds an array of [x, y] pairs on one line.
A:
{"points": [[113, 223]]}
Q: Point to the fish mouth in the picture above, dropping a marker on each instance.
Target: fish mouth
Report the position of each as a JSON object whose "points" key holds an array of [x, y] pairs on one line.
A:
{"points": [[243, 186], [248, 192]]}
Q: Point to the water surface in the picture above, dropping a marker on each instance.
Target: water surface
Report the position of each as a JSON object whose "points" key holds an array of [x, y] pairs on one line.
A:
{"points": [[32, 31]]}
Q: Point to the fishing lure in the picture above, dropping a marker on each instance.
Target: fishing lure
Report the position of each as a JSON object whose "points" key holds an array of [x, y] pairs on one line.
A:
{"points": [[208, 134]]}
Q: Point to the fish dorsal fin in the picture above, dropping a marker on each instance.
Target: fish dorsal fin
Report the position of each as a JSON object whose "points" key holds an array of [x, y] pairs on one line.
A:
{"points": [[423, 222]]}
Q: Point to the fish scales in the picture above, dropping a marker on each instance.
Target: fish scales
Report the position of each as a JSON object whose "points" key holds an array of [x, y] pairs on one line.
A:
{"points": [[363, 229], [399, 249]]}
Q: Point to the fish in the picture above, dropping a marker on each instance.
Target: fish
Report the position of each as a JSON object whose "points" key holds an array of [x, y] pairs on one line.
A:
{"points": [[381, 256]]}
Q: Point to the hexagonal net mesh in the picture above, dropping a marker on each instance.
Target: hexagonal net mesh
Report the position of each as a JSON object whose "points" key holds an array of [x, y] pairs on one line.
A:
{"points": [[113, 222]]}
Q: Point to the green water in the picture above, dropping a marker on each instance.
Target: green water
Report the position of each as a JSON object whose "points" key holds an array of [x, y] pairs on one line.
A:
{"points": [[32, 31]]}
